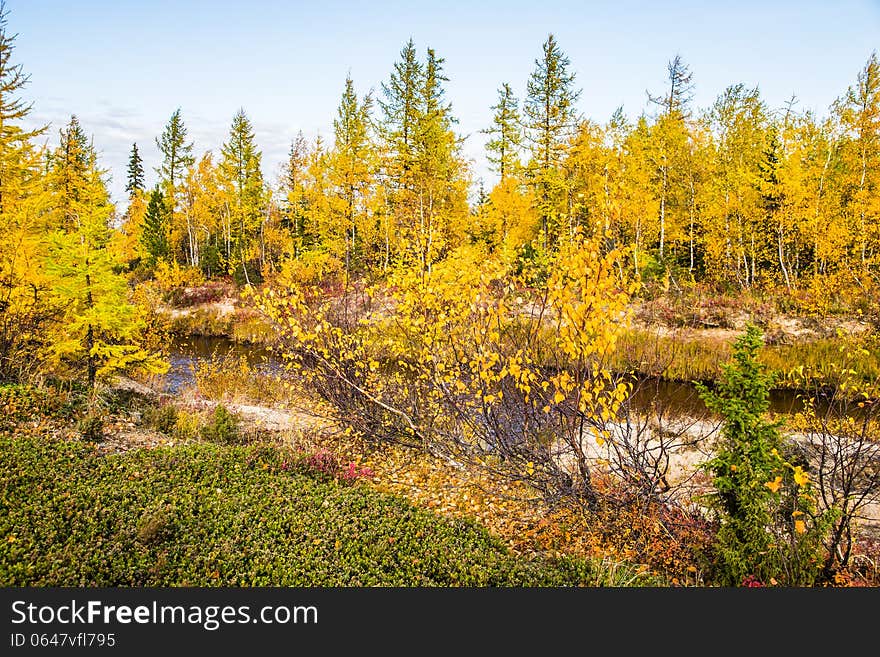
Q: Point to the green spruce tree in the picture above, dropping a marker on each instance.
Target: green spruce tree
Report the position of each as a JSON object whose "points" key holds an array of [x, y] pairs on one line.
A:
{"points": [[769, 528], [154, 235], [135, 182]]}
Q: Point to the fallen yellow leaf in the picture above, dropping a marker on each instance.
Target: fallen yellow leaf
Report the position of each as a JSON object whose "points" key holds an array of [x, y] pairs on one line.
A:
{"points": [[775, 484]]}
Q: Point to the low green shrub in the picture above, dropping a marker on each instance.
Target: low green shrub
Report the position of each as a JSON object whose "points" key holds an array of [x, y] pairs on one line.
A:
{"points": [[162, 418], [21, 402], [91, 427], [223, 427], [211, 515]]}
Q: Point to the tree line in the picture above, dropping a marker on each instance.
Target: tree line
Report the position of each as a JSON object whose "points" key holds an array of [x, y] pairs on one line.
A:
{"points": [[739, 195]]}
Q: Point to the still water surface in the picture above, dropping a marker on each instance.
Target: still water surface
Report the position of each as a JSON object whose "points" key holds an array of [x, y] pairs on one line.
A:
{"points": [[675, 397]]}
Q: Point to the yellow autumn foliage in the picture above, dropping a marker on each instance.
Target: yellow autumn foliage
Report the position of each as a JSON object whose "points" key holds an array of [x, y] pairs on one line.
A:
{"points": [[464, 358]]}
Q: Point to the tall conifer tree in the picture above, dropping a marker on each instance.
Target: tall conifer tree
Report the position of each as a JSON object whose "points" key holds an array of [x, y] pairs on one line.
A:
{"points": [[401, 106], [154, 235], [505, 133], [98, 330], [135, 182], [240, 170], [176, 152], [351, 167], [550, 120]]}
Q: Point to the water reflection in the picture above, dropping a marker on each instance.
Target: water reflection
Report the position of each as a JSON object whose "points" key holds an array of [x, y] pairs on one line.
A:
{"points": [[676, 398], [682, 398], [187, 352]]}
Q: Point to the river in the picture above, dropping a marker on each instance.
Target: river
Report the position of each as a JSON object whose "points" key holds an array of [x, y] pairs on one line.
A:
{"points": [[681, 398], [187, 351]]}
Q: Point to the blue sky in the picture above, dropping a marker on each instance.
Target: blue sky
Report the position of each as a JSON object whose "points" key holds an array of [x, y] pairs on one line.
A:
{"points": [[123, 67]]}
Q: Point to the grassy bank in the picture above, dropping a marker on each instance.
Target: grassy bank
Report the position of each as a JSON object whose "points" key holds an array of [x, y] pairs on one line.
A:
{"points": [[210, 515], [692, 355]]}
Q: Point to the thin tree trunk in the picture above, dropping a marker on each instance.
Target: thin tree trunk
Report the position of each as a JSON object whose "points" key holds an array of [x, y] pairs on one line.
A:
{"points": [[691, 227], [816, 262], [779, 235], [663, 212], [90, 334]]}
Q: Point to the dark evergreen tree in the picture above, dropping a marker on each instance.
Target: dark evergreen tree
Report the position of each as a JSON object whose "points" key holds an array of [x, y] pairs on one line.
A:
{"points": [[135, 172], [155, 231], [769, 529], [772, 202]]}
